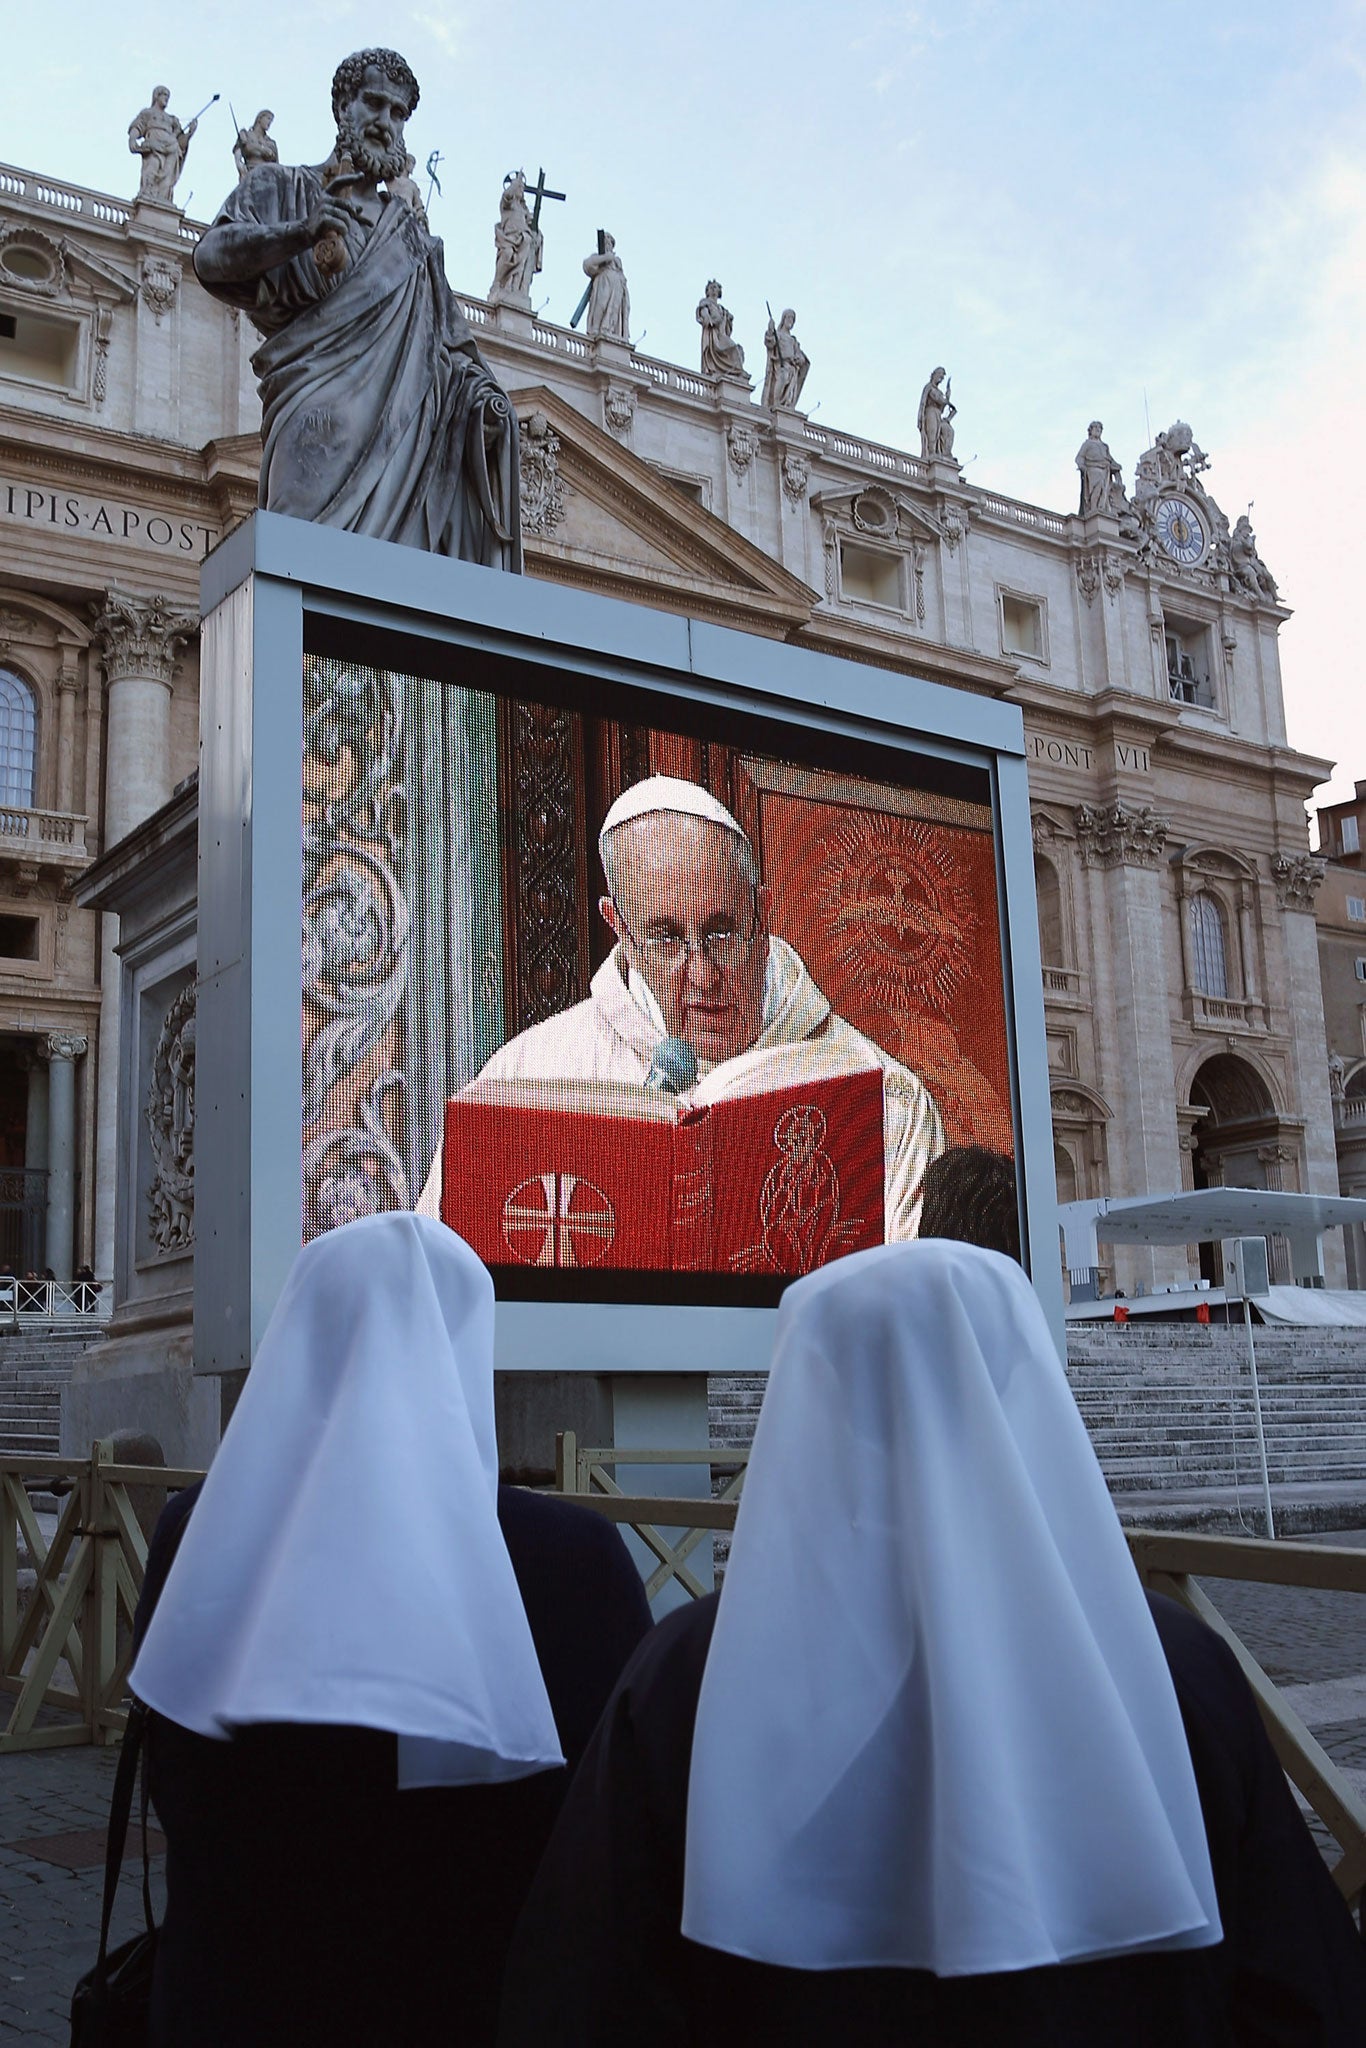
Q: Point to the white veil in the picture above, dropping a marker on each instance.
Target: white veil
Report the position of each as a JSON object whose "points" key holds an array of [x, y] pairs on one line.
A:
{"points": [[936, 1729], [344, 1563]]}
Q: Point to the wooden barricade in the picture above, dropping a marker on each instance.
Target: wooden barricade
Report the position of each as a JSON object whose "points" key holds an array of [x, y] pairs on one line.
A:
{"points": [[1171, 1563], [65, 1648], [584, 1473]]}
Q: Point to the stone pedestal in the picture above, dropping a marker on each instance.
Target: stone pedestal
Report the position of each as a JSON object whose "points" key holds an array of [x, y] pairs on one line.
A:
{"points": [[142, 1376]]}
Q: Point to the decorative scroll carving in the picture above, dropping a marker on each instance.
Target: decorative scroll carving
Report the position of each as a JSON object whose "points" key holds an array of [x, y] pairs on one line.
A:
{"points": [[159, 284], [104, 327], [542, 491], [1095, 569], [619, 407], [796, 475], [1109, 835], [742, 445], [169, 1113], [355, 1170], [1297, 877], [355, 933], [543, 751], [141, 636]]}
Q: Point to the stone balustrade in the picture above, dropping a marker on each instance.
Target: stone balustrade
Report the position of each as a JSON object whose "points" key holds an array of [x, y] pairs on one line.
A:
{"points": [[47, 836]]}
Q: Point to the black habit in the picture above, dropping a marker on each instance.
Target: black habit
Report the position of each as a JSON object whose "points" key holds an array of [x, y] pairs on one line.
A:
{"points": [[599, 1958], [308, 1900]]}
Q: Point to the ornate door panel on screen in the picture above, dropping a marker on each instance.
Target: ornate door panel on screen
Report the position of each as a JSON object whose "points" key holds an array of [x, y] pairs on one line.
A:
{"points": [[890, 898], [546, 839]]}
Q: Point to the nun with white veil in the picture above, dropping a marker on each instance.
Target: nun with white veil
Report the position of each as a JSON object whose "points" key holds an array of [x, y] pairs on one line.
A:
{"points": [[931, 1768], [366, 1664]]}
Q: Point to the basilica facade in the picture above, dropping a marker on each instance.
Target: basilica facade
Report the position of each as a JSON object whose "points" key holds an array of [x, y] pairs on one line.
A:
{"points": [[1138, 634]]}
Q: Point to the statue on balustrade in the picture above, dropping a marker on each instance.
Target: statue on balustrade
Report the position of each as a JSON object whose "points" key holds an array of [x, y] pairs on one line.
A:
{"points": [[518, 245], [609, 302], [935, 418], [255, 145], [380, 414], [722, 355], [157, 137], [788, 362]]}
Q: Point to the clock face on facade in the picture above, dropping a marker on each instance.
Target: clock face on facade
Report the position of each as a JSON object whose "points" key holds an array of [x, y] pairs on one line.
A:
{"points": [[1180, 530]]}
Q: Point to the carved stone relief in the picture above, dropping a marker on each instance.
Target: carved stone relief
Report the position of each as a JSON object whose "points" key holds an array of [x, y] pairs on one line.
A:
{"points": [[1096, 569], [742, 445], [160, 281], [1109, 835], [796, 476], [542, 491], [1297, 877], [169, 1112], [31, 261], [619, 407]]}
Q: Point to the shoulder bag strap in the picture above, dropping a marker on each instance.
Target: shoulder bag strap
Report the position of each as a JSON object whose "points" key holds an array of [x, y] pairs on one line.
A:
{"points": [[119, 1810]]}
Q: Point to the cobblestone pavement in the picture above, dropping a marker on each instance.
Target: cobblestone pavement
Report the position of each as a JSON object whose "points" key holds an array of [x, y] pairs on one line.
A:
{"points": [[1314, 1644]]}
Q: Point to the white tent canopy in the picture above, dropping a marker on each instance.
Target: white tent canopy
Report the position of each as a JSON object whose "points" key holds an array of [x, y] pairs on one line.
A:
{"points": [[1208, 1216]]}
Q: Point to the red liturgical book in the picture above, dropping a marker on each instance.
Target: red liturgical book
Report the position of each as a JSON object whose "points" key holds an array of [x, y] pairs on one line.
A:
{"points": [[606, 1173]]}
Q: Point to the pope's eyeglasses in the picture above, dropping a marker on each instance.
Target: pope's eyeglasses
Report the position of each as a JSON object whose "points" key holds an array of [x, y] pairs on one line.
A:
{"points": [[723, 944]]}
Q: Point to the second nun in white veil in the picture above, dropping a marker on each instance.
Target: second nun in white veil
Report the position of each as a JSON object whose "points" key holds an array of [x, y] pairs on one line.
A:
{"points": [[366, 1664], [932, 1768]]}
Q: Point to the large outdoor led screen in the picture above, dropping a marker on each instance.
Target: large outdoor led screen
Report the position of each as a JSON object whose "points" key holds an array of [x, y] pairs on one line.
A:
{"points": [[715, 1060]]}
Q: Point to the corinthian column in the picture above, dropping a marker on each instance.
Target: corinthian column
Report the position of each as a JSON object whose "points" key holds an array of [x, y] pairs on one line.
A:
{"points": [[62, 1050], [139, 639]]}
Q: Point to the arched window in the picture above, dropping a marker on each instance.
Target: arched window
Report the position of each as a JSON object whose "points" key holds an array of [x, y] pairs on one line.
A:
{"points": [[1209, 947], [18, 731], [1048, 892]]}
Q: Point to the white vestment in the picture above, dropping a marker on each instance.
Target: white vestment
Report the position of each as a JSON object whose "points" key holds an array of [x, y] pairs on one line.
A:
{"points": [[611, 1037]]}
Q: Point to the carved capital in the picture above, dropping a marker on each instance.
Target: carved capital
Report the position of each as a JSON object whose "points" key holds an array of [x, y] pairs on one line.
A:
{"points": [[141, 636], [63, 1045], [1297, 877], [1111, 835]]}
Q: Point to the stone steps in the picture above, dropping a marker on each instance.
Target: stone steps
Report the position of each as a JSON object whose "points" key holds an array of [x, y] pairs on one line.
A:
{"points": [[35, 1365], [1170, 1409]]}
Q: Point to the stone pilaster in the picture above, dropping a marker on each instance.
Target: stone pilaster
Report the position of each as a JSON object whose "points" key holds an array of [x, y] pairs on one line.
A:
{"points": [[1121, 848], [139, 639], [62, 1049]]}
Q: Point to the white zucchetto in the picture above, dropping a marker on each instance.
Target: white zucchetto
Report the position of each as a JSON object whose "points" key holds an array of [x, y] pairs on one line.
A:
{"points": [[668, 793], [344, 1562], [936, 1727]]}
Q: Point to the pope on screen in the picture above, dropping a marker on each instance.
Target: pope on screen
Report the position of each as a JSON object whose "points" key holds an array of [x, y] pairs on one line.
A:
{"points": [[695, 960]]}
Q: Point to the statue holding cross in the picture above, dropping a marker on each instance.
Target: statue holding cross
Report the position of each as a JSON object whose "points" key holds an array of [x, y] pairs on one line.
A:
{"points": [[517, 240]]}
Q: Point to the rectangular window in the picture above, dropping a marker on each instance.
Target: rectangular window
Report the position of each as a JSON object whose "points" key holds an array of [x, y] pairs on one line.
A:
{"points": [[1351, 837], [18, 938], [1022, 626], [1361, 968], [38, 350], [1189, 666], [869, 576], [1356, 909]]}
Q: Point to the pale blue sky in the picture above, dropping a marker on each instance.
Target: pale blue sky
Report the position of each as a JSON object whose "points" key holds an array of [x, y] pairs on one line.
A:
{"points": [[1068, 205]]}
